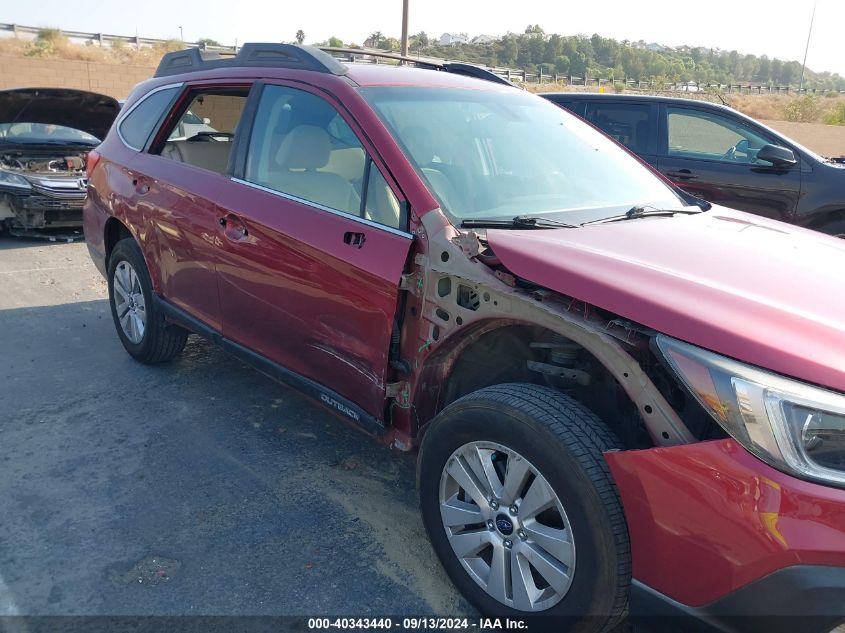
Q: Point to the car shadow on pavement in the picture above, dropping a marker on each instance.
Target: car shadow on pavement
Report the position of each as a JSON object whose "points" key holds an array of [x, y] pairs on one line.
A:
{"points": [[194, 487]]}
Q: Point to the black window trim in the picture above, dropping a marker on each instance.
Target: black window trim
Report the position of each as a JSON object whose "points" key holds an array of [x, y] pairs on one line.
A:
{"points": [[365, 184], [237, 161], [165, 112]]}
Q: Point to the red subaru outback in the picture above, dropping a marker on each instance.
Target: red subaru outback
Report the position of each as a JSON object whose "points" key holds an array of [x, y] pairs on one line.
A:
{"points": [[620, 395]]}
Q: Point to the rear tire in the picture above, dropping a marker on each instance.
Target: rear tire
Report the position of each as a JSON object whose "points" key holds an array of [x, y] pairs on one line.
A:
{"points": [[141, 326], [562, 442]]}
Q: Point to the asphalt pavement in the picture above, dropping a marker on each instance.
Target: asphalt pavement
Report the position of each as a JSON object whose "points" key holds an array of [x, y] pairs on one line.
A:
{"points": [[199, 487]]}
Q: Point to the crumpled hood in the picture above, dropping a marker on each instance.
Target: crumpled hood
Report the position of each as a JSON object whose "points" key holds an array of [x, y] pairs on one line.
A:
{"points": [[757, 290], [87, 111]]}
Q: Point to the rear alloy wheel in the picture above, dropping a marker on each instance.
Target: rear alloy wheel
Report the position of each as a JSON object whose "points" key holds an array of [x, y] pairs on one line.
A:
{"points": [[141, 326], [129, 302], [521, 508]]}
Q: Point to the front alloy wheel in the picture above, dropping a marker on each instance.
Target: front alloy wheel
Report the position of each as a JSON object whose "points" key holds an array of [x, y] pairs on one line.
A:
{"points": [[507, 526], [521, 509]]}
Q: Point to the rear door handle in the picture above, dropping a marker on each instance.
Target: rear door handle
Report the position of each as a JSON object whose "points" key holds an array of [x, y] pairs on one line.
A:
{"points": [[233, 227], [354, 239], [682, 174]]}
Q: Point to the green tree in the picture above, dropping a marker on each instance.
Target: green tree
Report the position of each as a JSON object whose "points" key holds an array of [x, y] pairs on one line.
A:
{"points": [[207, 41], [335, 42], [562, 64], [300, 36], [376, 39], [509, 53]]}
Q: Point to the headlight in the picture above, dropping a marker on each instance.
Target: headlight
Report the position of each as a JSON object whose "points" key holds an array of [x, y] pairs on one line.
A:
{"points": [[8, 179], [793, 426]]}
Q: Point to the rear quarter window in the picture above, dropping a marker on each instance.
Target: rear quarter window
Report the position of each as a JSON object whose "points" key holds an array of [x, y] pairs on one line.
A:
{"points": [[136, 126]]}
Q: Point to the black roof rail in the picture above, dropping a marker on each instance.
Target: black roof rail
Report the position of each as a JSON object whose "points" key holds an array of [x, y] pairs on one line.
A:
{"points": [[479, 72], [458, 68], [251, 55]]}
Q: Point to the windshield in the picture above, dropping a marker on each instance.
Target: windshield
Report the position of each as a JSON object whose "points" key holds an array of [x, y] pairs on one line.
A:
{"points": [[35, 133], [498, 154]]}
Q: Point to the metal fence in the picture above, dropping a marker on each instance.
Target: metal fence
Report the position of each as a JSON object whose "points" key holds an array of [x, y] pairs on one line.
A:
{"points": [[514, 75], [525, 77], [98, 39]]}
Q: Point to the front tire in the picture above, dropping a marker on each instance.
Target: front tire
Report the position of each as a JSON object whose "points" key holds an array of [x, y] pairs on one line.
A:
{"points": [[521, 508], [141, 326]]}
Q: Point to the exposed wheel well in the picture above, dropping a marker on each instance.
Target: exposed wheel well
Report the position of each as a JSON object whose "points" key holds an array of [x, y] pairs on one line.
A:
{"points": [[530, 354], [115, 231]]}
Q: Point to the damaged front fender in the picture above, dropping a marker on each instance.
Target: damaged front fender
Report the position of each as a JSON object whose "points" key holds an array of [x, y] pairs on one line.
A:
{"points": [[460, 297]]}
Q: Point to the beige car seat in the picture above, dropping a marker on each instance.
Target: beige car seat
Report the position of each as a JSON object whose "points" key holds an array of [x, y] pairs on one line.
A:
{"points": [[211, 155], [302, 153]]}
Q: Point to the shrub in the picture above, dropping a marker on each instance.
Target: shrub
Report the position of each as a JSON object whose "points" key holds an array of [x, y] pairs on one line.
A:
{"points": [[49, 35], [804, 109], [835, 116]]}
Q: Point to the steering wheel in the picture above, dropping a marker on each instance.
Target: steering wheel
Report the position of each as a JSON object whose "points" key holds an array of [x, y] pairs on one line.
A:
{"points": [[211, 137]]}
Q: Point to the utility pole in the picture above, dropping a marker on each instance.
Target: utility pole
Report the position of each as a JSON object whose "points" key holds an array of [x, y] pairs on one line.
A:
{"points": [[807, 49], [181, 34], [405, 27]]}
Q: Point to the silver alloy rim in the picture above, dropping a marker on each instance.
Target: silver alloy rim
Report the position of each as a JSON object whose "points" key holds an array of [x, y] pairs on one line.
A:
{"points": [[507, 526], [129, 302]]}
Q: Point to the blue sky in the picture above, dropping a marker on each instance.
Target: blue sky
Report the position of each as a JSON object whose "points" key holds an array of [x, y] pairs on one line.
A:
{"points": [[777, 28]]}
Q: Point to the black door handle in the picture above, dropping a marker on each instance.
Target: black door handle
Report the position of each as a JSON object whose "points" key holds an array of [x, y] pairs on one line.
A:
{"points": [[682, 174], [354, 239]]}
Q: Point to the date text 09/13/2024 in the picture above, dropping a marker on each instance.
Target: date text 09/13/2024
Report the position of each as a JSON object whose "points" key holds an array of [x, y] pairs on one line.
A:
{"points": [[422, 623]]}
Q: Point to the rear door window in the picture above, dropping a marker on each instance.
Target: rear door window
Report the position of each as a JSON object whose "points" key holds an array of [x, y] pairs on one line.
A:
{"points": [[136, 127], [629, 123], [203, 135]]}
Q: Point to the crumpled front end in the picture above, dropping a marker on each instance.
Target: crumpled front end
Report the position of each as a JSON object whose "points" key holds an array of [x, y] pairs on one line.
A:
{"points": [[47, 194]]}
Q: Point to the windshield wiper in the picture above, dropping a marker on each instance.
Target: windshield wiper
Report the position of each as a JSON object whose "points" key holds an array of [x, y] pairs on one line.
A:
{"points": [[635, 213], [519, 222]]}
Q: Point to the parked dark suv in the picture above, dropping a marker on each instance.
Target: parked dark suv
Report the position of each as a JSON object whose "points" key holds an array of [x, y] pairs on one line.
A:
{"points": [[722, 156], [617, 397]]}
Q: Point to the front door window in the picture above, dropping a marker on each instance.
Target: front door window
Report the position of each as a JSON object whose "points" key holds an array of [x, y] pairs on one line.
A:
{"points": [[709, 136]]}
